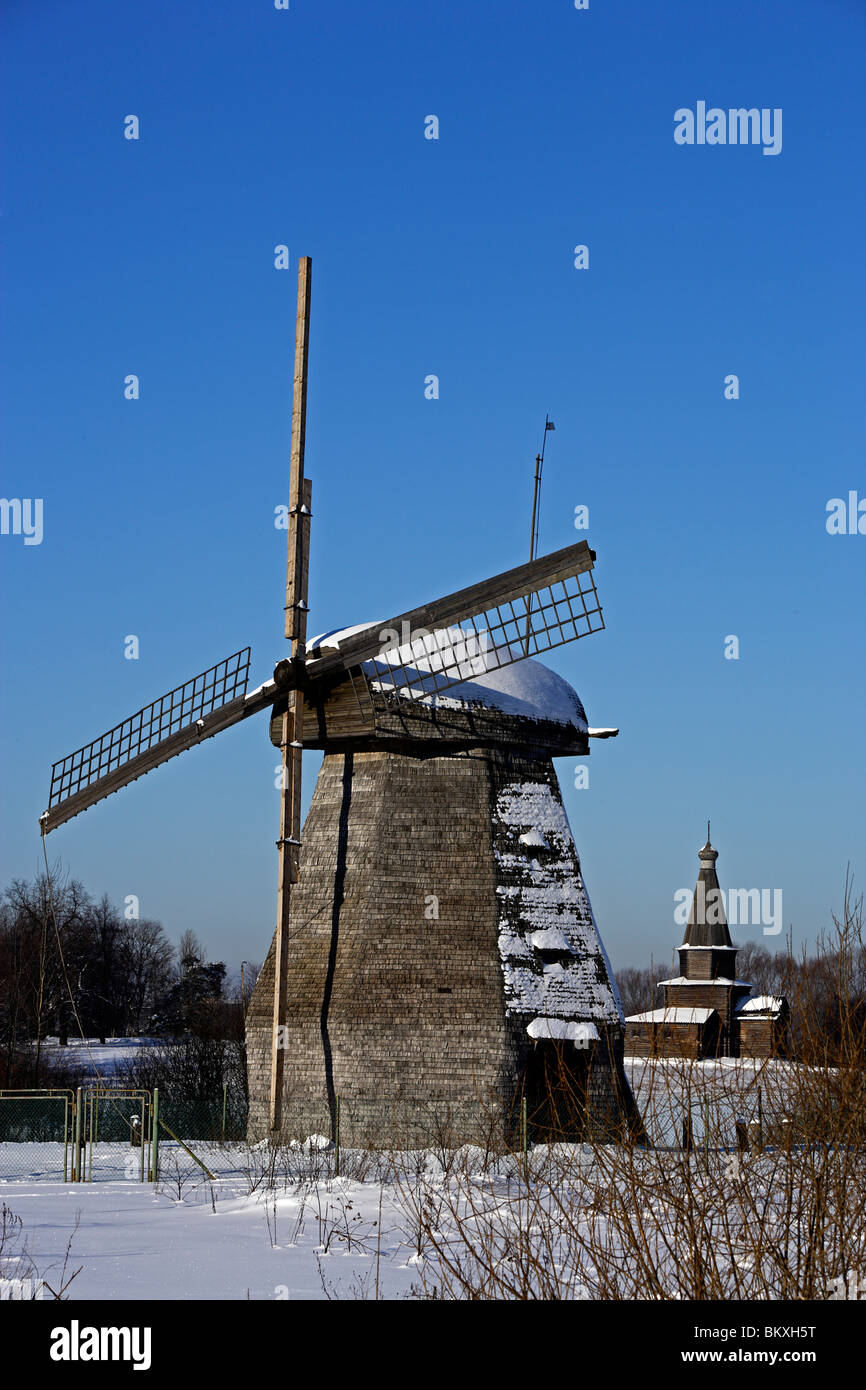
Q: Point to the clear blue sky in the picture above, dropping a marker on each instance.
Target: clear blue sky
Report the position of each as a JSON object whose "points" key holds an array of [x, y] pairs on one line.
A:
{"points": [[453, 257]]}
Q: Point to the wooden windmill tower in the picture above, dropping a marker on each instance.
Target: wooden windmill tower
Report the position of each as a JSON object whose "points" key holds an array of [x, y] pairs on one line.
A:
{"points": [[433, 934]]}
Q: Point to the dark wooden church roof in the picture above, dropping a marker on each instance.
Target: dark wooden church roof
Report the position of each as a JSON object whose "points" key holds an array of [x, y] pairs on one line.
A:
{"points": [[707, 924]]}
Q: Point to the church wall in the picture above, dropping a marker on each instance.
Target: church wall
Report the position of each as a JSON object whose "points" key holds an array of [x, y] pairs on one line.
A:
{"points": [[761, 1037], [698, 965], [687, 1040], [698, 996]]}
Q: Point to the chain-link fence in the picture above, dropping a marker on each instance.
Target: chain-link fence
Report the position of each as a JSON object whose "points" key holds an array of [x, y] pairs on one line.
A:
{"points": [[36, 1133], [117, 1134], [201, 1140], [694, 1104]]}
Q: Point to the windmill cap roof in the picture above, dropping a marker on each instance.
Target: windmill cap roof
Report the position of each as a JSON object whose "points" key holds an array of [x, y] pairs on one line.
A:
{"points": [[525, 688]]}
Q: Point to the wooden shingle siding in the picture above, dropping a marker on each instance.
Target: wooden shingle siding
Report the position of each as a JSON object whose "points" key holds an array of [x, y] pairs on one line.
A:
{"points": [[368, 1016], [348, 712]]}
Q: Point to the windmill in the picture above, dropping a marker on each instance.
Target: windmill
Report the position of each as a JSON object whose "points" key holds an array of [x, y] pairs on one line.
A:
{"points": [[354, 693]]}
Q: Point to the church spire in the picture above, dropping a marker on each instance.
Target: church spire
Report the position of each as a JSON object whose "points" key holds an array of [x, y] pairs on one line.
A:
{"points": [[707, 924]]}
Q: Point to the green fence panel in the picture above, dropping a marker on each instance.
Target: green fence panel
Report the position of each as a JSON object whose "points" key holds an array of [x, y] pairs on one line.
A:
{"points": [[38, 1128]]}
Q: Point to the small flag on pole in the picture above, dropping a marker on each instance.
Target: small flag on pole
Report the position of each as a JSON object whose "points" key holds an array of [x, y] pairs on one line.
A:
{"points": [[549, 425]]}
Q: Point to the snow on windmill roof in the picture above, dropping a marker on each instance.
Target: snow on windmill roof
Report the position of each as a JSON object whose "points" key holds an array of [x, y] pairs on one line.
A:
{"points": [[551, 939], [559, 1029], [336, 635], [543, 903], [524, 688]]}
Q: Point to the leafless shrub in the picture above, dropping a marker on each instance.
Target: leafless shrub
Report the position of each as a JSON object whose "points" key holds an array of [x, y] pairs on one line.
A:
{"points": [[624, 1221], [17, 1263], [177, 1177]]}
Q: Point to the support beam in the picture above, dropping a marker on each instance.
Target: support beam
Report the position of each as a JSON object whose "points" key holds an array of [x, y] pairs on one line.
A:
{"points": [[297, 571]]}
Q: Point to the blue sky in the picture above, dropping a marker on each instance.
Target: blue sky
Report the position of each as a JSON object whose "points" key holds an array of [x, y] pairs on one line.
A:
{"points": [[452, 257]]}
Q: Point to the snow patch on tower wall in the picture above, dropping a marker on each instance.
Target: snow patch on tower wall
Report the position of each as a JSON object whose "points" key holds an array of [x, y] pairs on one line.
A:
{"points": [[543, 899]]}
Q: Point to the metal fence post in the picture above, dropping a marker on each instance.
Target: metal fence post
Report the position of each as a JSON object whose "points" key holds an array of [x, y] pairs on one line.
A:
{"points": [[337, 1136], [761, 1118], [756, 1128], [154, 1154], [76, 1143], [741, 1130], [688, 1142], [142, 1162], [225, 1098]]}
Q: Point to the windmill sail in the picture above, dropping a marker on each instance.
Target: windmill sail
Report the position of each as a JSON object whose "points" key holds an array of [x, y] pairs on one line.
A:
{"points": [[518, 614], [198, 709]]}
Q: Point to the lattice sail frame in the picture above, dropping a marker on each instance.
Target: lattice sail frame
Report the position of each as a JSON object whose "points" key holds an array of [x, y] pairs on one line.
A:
{"points": [[445, 643], [176, 710], [503, 634]]}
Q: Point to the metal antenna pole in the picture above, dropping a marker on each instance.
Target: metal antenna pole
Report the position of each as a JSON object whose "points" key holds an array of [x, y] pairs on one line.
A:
{"points": [[533, 534], [536, 494], [297, 569]]}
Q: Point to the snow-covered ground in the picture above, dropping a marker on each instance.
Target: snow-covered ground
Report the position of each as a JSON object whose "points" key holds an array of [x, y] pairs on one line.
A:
{"points": [[312, 1236], [278, 1224], [590, 1223], [134, 1242], [93, 1057], [721, 1092]]}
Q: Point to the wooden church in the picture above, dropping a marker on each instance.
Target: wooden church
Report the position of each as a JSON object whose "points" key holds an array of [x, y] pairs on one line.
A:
{"points": [[707, 1011], [444, 962]]}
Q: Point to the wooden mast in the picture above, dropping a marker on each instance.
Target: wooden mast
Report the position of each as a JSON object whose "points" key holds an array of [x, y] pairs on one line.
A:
{"points": [[297, 569]]}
